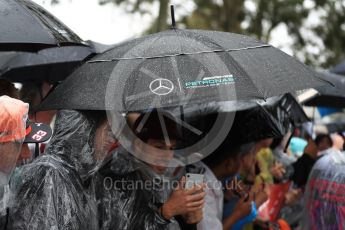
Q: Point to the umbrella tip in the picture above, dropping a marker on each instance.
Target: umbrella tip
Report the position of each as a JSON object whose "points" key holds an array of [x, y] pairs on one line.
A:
{"points": [[172, 12]]}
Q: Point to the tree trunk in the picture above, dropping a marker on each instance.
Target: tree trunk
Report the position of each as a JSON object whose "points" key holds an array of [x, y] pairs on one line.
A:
{"points": [[233, 11], [161, 22]]}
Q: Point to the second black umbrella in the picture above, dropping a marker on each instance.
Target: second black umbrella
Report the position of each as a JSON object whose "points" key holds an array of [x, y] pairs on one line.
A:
{"points": [[328, 95], [51, 64], [26, 26]]}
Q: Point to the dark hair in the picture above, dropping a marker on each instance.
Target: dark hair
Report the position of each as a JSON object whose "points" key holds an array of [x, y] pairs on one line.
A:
{"points": [[152, 127], [321, 137], [29, 92], [229, 149], [276, 142], [7, 88]]}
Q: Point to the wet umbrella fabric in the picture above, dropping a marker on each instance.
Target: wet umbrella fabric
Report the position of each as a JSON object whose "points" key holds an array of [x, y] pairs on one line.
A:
{"points": [[329, 95], [181, 67], [99, 47], [51, 64], [270, 119], [25, 26]]}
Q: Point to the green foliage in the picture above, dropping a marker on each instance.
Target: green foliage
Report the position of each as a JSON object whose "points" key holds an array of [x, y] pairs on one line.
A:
{"points": [[321, 44]]}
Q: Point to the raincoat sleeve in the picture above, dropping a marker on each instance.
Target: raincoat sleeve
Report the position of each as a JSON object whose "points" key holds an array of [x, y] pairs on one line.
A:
{"points": [[47, 200], [213, 209], [210, 213], [124, 209], [154, 220], [122, 201]]}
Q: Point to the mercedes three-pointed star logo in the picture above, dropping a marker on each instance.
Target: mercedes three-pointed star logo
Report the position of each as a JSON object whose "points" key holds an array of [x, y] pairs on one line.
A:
{"points": [[161, 86]]}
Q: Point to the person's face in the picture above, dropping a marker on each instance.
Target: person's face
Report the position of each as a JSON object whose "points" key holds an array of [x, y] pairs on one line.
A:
{"points": [[338, 141], [104, 140], [25, 153], [9, 153], [44, 117], [266, 142], [232, 167], [324, 144], [158, 153], [248, 161]]}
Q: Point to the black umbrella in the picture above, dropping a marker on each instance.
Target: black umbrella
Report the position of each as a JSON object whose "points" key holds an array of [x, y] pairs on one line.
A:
{"points": [[99, 47], [256, 121], [181, 67], [248, 125], [280, 114], [339, 69], [331, 127], [328, 95], [25, 26], [51, 64]]}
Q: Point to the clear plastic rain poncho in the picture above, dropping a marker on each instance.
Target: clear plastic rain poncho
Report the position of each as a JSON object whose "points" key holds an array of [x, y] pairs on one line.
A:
{"points": [[325, 193], [130, 193], [136, 184], [55, 192], [13, 116]]}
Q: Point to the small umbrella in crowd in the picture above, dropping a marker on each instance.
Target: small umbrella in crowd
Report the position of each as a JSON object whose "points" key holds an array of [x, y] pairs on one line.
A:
{"points": [[25, 26], [329, 95], [330, 126], [279, 113], [253, 122]]}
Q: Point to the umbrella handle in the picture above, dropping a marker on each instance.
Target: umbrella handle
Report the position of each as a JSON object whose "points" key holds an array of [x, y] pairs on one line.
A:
{"points": [[289, 140]]}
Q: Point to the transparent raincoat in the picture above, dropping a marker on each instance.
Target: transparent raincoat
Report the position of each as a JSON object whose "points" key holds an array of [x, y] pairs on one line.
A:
{"points": [[13, 116], [132, 193], [56, 192], [325, 193]]}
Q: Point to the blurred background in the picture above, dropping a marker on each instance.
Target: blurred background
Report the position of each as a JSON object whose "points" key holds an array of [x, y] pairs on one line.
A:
{"points": [[311, 30]]}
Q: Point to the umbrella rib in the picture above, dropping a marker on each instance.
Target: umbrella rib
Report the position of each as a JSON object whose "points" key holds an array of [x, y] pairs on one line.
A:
{"points": [[175, 69], [149, 73], [188, 126], [164, 128], [178, 54]]}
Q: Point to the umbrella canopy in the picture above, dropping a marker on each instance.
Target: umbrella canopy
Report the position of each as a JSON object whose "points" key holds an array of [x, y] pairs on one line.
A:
{"points": [[99, 47], [285, 109], [25, 26], [339, 69], [51, 64], [181, 67], [330, 127], [281, 113], [248, 125], [328, 95]]}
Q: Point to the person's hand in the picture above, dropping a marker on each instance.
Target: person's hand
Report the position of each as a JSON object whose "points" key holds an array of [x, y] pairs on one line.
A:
{"points": [[182, 201], [261, 197], [278, 171], [243, 207], [234, 188], [292, 195], [194, 217]]}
